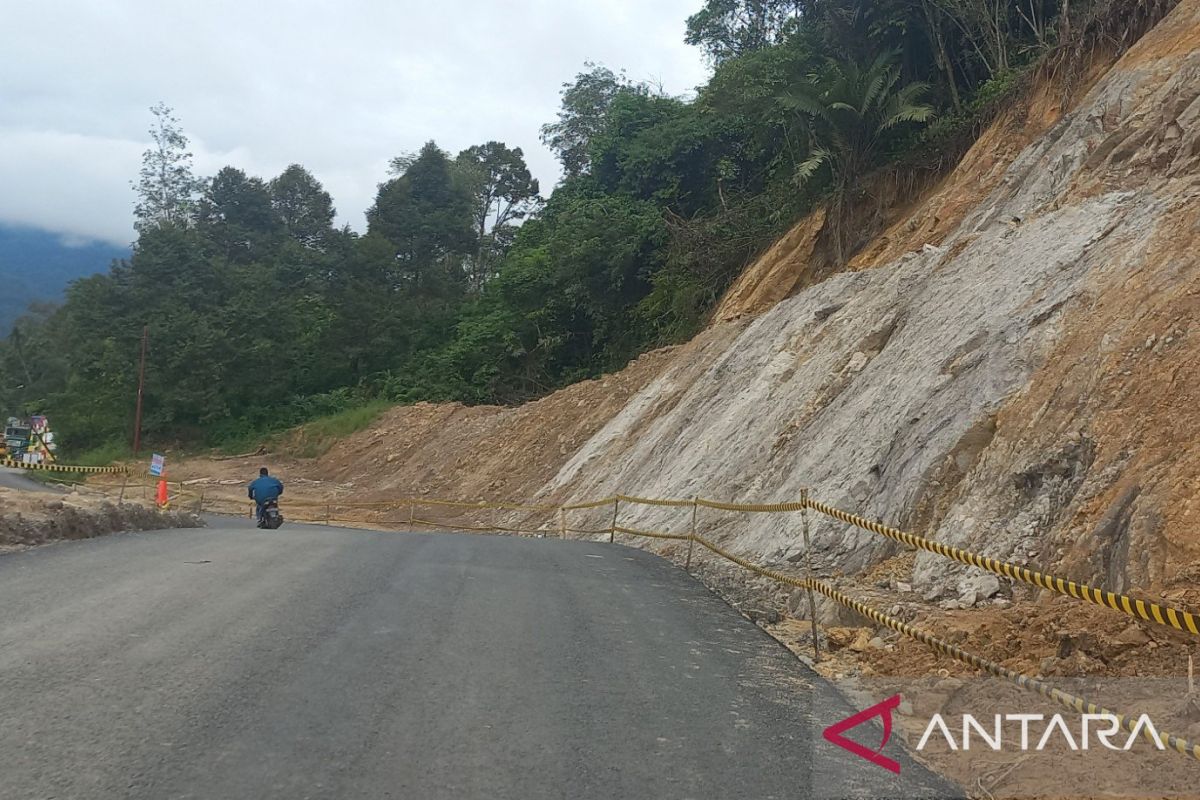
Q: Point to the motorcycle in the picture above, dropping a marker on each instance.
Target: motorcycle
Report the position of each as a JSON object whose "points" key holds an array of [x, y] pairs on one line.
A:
{"points": [[271, 517]]}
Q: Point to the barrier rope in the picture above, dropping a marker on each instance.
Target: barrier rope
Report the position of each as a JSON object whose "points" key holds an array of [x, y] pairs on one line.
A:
{"points": [[1074, 702], [1149, 611], [483, 504], [650, 501], [591, 504], [1146, 610], [754, 508], [651, 534]]}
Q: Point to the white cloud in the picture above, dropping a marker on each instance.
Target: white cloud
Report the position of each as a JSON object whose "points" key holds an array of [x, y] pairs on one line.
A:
{"points": [[340, 86]]}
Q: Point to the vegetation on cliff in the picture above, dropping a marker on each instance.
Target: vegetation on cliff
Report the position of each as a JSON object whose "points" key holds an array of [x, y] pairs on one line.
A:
{"points": [[468, 284]]}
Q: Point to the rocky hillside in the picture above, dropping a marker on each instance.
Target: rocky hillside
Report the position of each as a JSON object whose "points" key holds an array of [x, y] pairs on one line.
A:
{"points": [[1011, 366]]}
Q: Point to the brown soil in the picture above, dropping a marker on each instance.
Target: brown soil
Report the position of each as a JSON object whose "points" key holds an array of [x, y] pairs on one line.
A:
{"points": [[33, 518], [777, 273]]}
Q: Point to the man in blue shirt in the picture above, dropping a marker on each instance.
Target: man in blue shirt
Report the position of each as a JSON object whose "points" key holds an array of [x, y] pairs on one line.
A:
{"points": [[264, 489]]}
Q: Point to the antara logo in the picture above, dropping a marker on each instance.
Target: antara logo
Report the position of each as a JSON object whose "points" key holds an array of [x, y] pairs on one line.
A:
{"points": [[884, 710]]}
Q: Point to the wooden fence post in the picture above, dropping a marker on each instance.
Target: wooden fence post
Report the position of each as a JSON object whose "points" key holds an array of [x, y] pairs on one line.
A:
{"points": [[812, 603], [691, 536]]}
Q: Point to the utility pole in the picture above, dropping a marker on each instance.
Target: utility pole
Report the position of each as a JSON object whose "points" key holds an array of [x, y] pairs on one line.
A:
{"points": [[137, 424]]}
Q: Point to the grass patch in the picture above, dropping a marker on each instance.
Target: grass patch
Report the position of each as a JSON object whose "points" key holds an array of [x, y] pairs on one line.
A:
{"points": [[247, 442], [315, 438], [103, 456]]}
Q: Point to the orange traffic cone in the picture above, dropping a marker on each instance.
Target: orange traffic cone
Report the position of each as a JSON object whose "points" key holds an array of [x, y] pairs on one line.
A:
{"points": [[163, 500]]}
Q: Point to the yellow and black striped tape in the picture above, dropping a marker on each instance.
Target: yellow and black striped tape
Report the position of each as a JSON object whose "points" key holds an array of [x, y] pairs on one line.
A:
{"points": [[8, 462], [1071, 701], [1079, 704], [1143, 609]]}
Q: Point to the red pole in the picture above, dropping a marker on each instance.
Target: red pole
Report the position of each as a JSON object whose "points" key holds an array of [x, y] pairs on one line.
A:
{"points": [[137, 425]]}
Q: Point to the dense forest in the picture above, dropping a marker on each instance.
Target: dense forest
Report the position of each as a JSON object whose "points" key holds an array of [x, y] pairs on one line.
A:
{"points": [[470, 284]]}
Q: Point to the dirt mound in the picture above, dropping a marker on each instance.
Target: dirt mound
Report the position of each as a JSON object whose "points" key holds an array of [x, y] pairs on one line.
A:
{"points": [[28, 519]]}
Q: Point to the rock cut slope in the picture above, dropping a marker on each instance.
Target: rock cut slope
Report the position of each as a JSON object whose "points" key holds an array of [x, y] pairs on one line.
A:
{"points": [[1023, 382]]}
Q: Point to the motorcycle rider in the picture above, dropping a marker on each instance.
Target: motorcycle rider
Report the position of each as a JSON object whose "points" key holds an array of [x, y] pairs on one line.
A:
{"points": [[263, 490]]}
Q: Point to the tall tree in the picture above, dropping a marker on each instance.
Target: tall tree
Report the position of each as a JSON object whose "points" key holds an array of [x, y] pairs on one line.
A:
{"points": [[166, 186], [236, 215], [987, 26], [32, 362], [504, 192], [585, 102], [303, 207], [726, 29], [426, 214]]}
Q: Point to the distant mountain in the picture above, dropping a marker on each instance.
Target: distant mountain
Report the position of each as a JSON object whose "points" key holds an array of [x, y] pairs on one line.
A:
{"points": [[36, 265]]}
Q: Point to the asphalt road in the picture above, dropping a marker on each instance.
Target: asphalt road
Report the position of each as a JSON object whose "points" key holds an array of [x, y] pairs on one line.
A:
{"points": [[19, 479], [324, 663]]}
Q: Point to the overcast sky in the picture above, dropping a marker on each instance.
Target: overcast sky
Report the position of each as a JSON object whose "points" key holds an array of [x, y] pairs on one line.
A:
{"points": [[339, 86]]}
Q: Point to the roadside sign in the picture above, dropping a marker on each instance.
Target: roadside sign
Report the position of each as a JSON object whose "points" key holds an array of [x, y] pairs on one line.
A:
{"points": [[157, 464]]}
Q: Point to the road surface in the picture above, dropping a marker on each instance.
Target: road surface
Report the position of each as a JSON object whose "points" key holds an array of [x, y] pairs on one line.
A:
{"points": [[324, 663], [19, 479]]}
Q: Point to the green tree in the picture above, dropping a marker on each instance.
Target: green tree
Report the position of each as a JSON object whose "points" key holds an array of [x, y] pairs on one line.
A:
{"points": [[726, 29], [32, 363], [585, 103], [237, 216], [850, 109], [427, 216], [503, 192], [303, 207], [166, 186], [665, 150]]}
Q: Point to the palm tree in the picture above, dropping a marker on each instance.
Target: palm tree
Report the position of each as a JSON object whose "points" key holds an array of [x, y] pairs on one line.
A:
{"points": [[848, 109]]}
